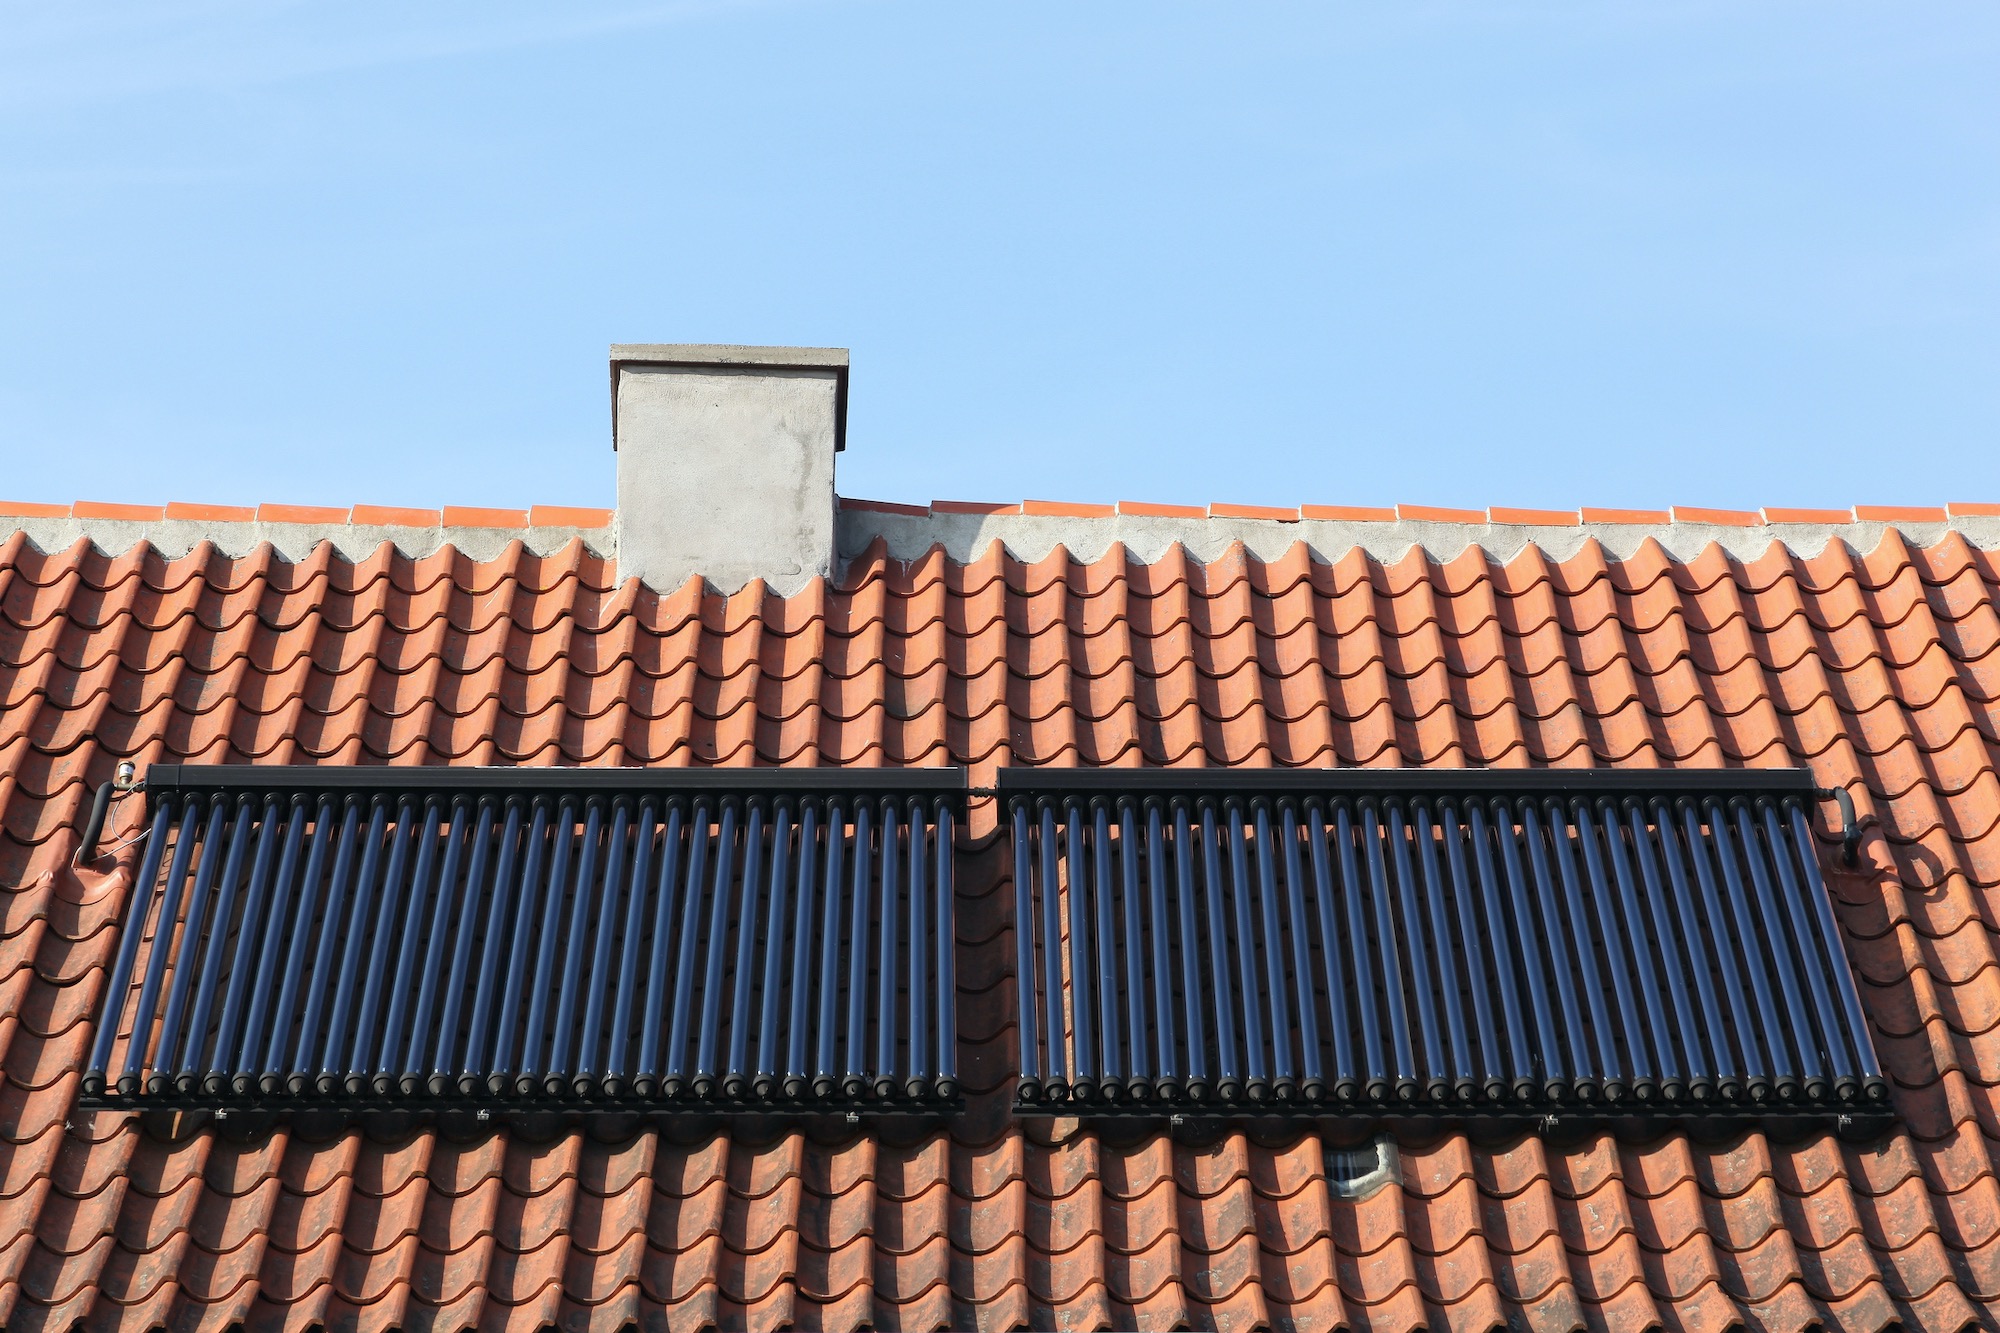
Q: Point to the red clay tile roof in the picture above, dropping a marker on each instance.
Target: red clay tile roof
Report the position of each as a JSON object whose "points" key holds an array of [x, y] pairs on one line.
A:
{"points": [[1878, 671]]}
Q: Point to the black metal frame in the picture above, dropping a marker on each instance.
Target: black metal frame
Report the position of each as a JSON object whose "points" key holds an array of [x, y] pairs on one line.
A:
{"points": [[1722, 783], [945, 783]]}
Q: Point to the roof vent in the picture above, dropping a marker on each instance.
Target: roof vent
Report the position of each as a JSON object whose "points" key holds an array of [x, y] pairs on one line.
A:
{"points": [[725, 462]]}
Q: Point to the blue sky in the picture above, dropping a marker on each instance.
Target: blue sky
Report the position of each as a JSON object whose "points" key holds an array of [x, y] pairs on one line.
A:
{"points": [[1520, 254]]}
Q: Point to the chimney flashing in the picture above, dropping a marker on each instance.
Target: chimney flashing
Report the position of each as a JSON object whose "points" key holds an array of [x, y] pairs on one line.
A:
{"points": [[735, 354]]}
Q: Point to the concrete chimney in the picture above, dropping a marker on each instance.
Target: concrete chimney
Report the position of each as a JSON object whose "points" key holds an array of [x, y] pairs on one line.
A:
{"points": [[725, 462]]}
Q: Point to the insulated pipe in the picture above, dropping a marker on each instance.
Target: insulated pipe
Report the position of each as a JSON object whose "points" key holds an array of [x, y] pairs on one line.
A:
{"points": [[1027, 995], [93, 824], [248, 960], [213, 849], [396, 1025], [212, 966]]}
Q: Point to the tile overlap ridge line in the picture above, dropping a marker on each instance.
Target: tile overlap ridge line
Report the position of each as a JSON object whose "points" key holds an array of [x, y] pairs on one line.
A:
{"points": [[295, 531], [1031, 530]]}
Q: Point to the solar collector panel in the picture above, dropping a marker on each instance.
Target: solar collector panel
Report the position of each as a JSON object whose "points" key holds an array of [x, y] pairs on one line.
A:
{"points": [[298, 939], [1483, 945]]}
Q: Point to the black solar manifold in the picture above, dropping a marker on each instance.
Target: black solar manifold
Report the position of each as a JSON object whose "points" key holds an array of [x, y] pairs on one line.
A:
{"points": [[1418, 942], [707, 940]]}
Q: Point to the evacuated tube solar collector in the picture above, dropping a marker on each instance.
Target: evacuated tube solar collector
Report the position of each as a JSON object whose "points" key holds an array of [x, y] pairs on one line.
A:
{"points": [[1418, 942], [743, 940]]}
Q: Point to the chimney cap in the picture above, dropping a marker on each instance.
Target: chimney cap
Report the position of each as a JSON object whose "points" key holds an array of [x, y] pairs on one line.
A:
{"points": [[731, 354]]}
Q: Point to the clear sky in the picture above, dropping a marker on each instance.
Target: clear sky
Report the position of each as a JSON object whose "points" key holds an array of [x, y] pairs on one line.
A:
{"points": [[1523, 254]]}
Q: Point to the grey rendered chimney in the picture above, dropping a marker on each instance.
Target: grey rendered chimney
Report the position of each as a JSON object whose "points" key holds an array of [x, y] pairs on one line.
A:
{"points": [[725, 462]]}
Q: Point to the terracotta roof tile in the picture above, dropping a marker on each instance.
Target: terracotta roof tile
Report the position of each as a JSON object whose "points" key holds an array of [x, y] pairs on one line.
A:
{"points": [[1065, 509], [884, 507], [1557, 518], [1879, 671], [213, 513], [1733, 518], [1899, 514], [97, 509], [300, 514], [389, 516], [1433, 514], [467, 516], [1593, 517], [1144, 509], [1253, 511], [1347, 513]]}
